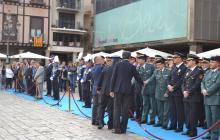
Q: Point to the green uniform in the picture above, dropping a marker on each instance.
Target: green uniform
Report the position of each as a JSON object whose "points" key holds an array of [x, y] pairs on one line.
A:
{"points": [[148, 93], [162, 78], [211, 83]]}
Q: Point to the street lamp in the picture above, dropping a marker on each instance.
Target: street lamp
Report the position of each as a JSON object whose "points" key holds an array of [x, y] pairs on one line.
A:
{"points": [[8, 31]]}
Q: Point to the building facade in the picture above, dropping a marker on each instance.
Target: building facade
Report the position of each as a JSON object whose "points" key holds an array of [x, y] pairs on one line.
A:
{"points": [[21, 22], [168, 25], [69, 20]]}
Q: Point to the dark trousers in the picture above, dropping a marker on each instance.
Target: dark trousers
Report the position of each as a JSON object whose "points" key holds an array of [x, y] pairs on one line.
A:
{"points": [[56, 94], [105, 101], [191, 113], [95, 109], [177, 112], [87, 93], [49, 86], [201, 112], [138, 105], [121, 110], [8, 83], [80, 90], [62, 84], [30, 86]]}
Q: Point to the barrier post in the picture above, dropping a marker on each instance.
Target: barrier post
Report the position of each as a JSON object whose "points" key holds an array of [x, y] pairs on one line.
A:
{"points": [[69, 104]]}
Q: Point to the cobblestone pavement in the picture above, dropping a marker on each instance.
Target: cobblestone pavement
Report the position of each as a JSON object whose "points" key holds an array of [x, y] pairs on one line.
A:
{"points": [[21, 119]]}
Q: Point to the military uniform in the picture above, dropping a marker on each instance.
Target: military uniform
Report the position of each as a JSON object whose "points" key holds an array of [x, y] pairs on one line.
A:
{"points": [[176, 98], [162, 78], [86, 87], [148, 93], [211, 83], [192, 84]]}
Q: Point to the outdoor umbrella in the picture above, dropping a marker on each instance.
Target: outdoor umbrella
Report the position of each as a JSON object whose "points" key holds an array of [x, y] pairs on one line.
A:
{"points": [[29, 55], [2, 55], [209, 54]]}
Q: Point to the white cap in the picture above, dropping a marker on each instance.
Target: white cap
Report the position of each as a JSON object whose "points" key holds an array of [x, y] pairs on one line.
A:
{"points": [[56, 59]]}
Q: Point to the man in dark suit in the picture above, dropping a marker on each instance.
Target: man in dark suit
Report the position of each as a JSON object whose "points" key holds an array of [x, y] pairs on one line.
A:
{"points": [[175, 91], [96, 73], [49, 69], [29, 78], [121, 90], [191, 90], [104, 98]]}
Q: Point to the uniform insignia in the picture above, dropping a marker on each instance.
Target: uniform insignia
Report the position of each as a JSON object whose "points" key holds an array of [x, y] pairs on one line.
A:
{"points": [[179, 70], [187, 73], [200, 76]]}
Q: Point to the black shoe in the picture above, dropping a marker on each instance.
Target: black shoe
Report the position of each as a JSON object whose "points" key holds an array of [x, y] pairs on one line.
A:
{"points": [[157, 125], [143, 122], [100, 126], [192, 133], [116, 131], [87, 106], [205, 126], [151, 123], [186, 132], [206, 137], [179, 130], [95, 123], [171, 128], [110, 127], [133, 119], [164, 127]]}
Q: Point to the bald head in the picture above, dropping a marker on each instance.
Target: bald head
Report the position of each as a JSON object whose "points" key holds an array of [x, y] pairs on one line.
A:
{"points": [[99, 60]]}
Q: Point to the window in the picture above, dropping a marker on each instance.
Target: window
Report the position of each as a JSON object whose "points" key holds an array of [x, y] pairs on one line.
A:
{"points": [[67, 20], [9, 32], [36, 27], [104, 5]]}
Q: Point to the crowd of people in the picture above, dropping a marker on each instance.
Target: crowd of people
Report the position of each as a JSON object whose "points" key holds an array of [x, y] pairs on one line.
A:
{"points": [[181, 89]]}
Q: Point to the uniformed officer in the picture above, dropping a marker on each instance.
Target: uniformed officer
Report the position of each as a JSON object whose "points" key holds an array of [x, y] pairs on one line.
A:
{"points": [[211, 92], [175, 91], [86, 84], [146, 70], [191, 90], [54, 78], [201, 117], [80, 71], [162, 77]]}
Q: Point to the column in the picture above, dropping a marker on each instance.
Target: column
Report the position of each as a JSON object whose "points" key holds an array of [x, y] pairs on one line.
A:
{"points": [[20, 51], [195, 48]]}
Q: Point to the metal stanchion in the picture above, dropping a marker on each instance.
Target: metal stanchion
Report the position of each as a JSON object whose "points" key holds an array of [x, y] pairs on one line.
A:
{"points": [[69, 103], [68, 89]]}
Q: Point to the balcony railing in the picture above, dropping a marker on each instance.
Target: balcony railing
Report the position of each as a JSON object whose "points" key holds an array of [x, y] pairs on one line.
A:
{"points": [[73, 5], [64, 24], [10, 0], [66, 44], [37, 2], [9, 35]]}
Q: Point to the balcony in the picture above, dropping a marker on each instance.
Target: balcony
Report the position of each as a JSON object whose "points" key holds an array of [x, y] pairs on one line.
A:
{"points": [[68, 5], [64, 26], [37, 2], [66, 44], [12, 1]]}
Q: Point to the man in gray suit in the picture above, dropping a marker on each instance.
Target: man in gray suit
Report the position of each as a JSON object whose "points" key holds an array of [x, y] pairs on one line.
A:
{"points": [[39, 80]]}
